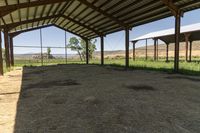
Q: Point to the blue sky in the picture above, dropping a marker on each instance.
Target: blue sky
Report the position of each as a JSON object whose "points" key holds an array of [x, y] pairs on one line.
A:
{"points": [[55, 37]]}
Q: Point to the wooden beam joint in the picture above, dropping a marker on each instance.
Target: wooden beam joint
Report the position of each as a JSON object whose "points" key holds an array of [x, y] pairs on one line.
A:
{"points": [[173, 8]]}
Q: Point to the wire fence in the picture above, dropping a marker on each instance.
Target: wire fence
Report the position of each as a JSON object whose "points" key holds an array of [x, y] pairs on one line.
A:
{"points": [[45, 55], [39, 55]]}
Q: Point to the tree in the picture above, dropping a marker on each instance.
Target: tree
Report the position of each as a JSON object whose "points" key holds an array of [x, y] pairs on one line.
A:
{"points": [[75, 46], [91, 47], [79, 45]]}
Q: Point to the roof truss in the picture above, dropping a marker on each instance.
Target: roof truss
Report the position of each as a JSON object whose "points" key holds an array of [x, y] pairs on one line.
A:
{"points": [[4, 10], [89, 18]]}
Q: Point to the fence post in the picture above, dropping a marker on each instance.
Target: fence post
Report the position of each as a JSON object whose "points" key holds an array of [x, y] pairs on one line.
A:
{"points": [[65, 47], [41, 54]]}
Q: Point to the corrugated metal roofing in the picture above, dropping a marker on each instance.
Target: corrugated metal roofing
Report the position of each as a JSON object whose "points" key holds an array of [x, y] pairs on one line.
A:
{"points": [[184, 29], [86, 18], [168, 34]]}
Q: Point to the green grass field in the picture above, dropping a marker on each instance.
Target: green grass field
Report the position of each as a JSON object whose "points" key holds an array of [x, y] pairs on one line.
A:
{"points": [[191, 68]]}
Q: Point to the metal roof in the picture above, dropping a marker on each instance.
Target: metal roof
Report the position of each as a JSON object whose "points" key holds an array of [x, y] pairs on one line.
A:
{"points": [[168, 34], [86, 18]]}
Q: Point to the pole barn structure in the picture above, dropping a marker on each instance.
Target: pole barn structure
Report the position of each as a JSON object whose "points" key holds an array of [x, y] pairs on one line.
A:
{"points": [[188, 34], [88, 19]]}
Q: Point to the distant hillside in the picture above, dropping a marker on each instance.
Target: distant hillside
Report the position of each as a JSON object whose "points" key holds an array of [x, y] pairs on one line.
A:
{"points": [[140, 52]]}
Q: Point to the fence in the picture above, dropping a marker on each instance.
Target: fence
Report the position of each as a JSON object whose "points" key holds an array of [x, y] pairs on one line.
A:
{"points": [[37, 56]]}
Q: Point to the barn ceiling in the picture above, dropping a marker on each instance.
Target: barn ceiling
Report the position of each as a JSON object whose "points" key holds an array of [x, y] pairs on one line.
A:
{"points": [[86, 18]]}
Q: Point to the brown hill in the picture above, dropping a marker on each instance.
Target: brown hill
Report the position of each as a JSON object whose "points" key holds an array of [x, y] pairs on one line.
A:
{"points": [[140, 51]]}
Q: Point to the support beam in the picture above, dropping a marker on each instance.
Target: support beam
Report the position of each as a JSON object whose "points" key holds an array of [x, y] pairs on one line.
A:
{"points": [[174, 9], [190, 57], [5, 10], [177, 42], [157, 50], [187, 35], [1, 58], [167, 52], [177, 14], [7, 51], [11, 51], [134, 50], [127, 47], [102, 50], [155, 41]]}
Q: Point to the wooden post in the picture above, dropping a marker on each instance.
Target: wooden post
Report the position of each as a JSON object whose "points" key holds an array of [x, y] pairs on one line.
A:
{"points": [[1, 58], [177, 39], [187, 35], [65, 47], [102, 50], [167, 52], [155, 49], [7, 51], [11, 51], [146, 49], [87, 51], [133, 51], [127, 47], [190, 58]]}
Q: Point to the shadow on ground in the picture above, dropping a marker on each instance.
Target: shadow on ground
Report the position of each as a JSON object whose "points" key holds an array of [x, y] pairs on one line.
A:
{"points": [[94, 99]]}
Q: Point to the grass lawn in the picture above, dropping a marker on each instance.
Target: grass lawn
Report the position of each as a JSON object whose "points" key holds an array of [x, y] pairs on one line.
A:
{"points": [[192, 68]]}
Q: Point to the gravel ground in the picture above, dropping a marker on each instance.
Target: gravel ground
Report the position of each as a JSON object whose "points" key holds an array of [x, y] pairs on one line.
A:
{"points": [[94, 99]]}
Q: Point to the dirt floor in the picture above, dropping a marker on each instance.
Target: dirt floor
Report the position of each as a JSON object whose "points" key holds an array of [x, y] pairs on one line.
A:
{"points": [[94, 99]]}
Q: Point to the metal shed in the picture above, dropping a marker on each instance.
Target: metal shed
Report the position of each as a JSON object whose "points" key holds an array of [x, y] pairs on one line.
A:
{"points": [[188, 33], [88, 18]]}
